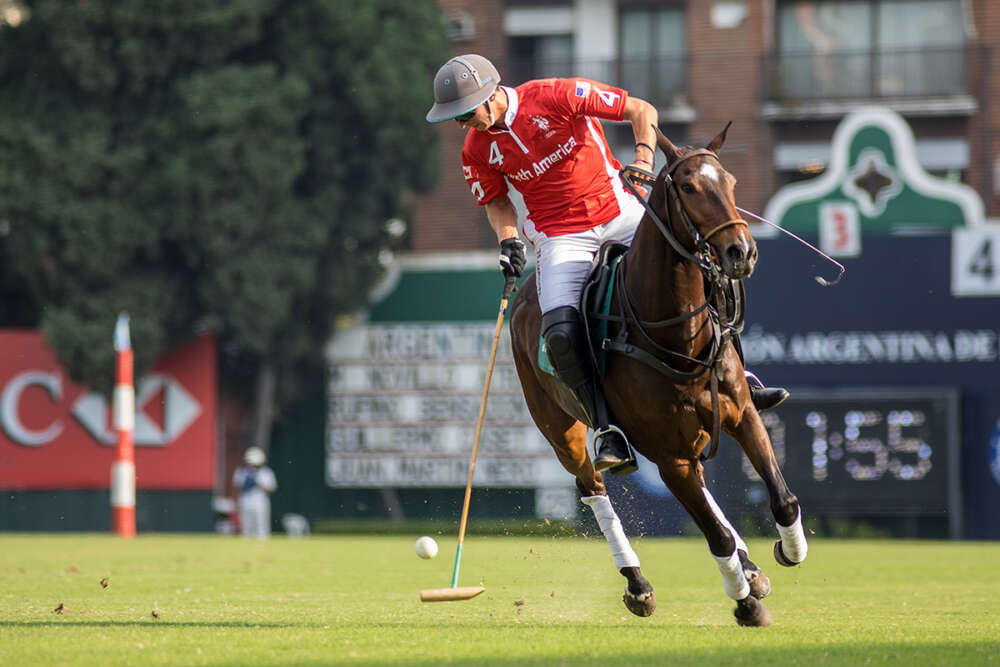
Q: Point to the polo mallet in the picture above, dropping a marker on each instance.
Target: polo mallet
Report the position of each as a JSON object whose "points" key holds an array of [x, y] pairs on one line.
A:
{"points": [[456, 592]]}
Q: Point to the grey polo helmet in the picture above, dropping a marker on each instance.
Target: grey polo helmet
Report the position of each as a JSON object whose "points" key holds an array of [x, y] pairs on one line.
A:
{"points": [[461, 85]]}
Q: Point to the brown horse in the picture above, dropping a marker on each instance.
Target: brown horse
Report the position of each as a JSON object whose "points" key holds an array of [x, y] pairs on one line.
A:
{"points": [[681, 378]]}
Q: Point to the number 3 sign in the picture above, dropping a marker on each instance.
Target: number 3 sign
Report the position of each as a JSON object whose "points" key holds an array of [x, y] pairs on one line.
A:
{"points": [[975, 261], [839, 230]]}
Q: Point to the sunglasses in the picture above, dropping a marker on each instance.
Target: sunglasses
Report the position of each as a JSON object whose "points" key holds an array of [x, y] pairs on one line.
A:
{"points": [[467, 116]]}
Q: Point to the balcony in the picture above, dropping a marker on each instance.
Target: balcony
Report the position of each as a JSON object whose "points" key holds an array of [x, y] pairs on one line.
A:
{"points": [[930, 80], [660, 80]]}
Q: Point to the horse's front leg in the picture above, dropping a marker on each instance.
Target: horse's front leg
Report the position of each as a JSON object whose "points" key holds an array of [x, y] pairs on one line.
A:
{"points": [[568, 438], [760, 585], [741, 579], [791, 549]]}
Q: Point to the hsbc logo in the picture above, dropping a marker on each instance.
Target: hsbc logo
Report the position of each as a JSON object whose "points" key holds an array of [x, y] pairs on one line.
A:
{"points": [[158, 393]]}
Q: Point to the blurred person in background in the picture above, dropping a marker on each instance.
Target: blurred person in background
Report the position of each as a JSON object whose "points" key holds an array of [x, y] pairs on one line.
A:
{"points": [[544, 138], [255, 482]]}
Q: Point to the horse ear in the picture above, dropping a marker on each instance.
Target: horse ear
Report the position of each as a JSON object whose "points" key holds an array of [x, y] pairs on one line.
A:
{"points": [[715, 145], [666, 146]]}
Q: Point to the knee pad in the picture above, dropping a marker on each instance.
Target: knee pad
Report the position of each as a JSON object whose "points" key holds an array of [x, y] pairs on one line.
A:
{"points": [[562, 329], [566, 343]]}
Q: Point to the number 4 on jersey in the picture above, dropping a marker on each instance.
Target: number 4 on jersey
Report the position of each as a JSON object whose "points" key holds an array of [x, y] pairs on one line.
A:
{"points": [[607, 96], [496, 157]]}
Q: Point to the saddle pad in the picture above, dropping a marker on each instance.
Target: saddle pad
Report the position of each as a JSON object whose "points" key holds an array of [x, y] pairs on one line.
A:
{"points": [[544, 364], [603, 308]]}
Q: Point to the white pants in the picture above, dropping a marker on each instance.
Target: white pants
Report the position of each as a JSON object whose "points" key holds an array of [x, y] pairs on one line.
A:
{"points": [[255, 514], [563, 262]]}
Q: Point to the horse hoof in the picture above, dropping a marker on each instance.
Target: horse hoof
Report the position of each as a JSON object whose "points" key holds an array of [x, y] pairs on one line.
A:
{"points": [[751, 613], [643, 604], [780, 557], [760, 585]]}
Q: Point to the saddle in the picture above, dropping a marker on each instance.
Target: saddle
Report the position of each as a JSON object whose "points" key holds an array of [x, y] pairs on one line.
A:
{"points": [[725, 306], [595, 304], [595, 299]]}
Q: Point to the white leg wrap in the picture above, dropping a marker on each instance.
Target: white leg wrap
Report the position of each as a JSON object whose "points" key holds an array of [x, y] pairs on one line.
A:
{"points": [[717, 511], [733, 580], [611, 526], [793, 540]]}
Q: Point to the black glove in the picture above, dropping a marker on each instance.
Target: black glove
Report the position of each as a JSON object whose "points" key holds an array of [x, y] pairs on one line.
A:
{"points": [[512, 258]]}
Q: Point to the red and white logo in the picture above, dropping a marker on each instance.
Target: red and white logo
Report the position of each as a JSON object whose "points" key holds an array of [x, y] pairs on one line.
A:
{"points": [[57, 434]]}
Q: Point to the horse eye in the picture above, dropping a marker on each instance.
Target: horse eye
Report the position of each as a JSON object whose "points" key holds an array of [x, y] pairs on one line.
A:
{"points": [[688, 188]]}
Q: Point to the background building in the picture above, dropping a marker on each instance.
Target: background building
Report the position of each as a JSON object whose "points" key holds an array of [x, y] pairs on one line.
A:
{"points": [[889, 345], [785, 72]]}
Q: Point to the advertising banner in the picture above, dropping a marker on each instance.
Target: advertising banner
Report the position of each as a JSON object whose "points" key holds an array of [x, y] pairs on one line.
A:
{"points": [[57, 434]]}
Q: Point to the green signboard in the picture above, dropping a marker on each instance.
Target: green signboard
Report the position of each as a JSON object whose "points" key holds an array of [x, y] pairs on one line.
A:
{"points": [[405, 384], [875, 185]]}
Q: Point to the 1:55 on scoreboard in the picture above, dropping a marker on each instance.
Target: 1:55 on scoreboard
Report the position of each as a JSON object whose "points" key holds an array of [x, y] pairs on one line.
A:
{"points": [[865, 451]]}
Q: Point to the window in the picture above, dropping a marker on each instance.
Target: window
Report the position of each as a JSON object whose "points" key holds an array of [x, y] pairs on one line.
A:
{"points": [[878, 48], [921, 48], [539, 57], [652, 53]]}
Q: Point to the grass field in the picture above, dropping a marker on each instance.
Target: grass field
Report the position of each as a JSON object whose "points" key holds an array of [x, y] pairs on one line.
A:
{"points": [[354, 600]]}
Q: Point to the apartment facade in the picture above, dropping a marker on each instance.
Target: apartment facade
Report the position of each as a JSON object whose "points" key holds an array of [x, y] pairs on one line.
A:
{"points": [[784, 71]]}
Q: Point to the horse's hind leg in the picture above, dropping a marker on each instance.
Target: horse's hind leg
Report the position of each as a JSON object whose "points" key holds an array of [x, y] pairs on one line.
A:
{"points": [[792, 548], [685, 480]]}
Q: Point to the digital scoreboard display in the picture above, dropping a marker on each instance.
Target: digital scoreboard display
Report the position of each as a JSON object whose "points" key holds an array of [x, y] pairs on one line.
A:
{"points": [[863, 451]]}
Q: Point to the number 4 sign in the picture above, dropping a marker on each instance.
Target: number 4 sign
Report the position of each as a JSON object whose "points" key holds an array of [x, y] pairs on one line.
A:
{"points": [[975, 261], [839, 229]]}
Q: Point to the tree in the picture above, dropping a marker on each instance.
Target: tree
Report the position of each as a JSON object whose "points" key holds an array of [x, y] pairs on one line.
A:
{"points": [[225, 167]]}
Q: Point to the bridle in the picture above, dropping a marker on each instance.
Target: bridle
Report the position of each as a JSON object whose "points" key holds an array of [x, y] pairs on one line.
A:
{"points": [[702, 246]]}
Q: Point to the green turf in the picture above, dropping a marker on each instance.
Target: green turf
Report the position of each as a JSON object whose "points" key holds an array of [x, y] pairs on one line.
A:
{"points": [[548, 600]]}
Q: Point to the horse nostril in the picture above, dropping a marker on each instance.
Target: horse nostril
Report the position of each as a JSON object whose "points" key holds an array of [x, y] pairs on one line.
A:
{"points": [[735, 253]]}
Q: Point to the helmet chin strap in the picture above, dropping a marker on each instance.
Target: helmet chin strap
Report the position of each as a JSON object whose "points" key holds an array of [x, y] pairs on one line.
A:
{"points": [[489, 105], [489, 110]]}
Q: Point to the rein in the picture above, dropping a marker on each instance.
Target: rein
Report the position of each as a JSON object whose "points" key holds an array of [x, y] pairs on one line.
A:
{"points": [[730, 302]]}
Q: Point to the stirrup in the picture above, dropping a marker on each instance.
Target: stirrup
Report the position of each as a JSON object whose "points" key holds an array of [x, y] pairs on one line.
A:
{"points": [[616, 462]]}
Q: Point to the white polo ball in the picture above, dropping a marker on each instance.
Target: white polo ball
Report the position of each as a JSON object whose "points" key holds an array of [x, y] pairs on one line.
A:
{"points": [[426, 547]]}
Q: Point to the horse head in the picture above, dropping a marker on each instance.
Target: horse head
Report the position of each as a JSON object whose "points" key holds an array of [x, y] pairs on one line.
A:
{"points": [[700, 193]]}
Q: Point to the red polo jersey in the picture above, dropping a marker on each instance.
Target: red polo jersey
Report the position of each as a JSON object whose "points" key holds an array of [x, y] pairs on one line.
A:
{"points": [[553, 152]]}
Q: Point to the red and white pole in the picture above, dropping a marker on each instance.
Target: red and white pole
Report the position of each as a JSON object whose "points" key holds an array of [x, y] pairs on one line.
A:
{"points": [[123, 469]]}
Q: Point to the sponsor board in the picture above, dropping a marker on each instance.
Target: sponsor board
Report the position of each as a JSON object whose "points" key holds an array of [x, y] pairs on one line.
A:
{"points": [[917, 308], [57, 434]]}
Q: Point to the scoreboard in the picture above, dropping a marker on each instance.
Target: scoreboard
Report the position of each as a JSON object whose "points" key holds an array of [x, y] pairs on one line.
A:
{"points": [[864, 451]]}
